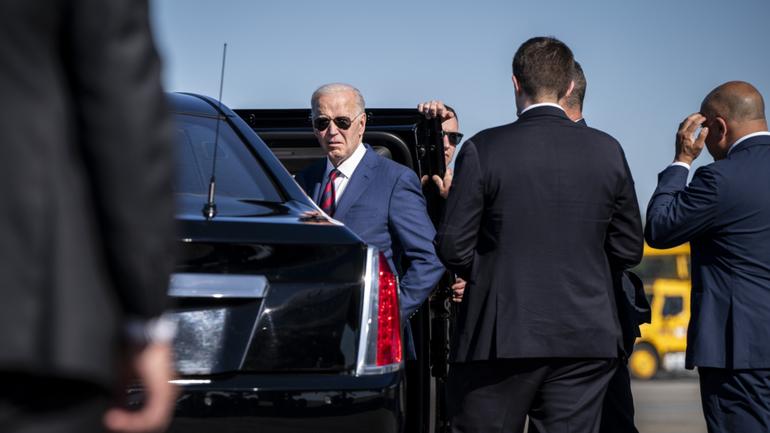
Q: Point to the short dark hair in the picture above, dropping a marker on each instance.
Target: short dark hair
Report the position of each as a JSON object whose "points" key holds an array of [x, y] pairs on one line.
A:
{"points": [[543, 66], [578, 95]]}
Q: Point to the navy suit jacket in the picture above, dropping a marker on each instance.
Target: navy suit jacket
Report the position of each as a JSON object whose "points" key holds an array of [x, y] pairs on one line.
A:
{"points": [[725, 215], [540, 213], [633, 307], [383, 204]]}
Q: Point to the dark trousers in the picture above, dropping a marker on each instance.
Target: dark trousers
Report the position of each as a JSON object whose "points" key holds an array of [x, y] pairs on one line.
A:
{"points": [[33, 404], [618, 412], [558, 394], [735, 400]]}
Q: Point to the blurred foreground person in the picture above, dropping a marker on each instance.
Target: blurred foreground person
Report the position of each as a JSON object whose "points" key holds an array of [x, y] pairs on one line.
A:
{"points": [[539, 213], [725, 215], [87, 219]]}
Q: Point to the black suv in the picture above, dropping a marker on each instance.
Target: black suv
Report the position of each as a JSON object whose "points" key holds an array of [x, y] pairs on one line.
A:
{"points": [[283, 315]]}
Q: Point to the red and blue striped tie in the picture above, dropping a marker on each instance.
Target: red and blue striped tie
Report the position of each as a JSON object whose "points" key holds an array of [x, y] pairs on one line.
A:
{"points": [[329, 196]]}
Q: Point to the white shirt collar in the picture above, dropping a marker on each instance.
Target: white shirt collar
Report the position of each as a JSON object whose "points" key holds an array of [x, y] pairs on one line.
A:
{"points": [[541, 104], [746, 137], [349, 165]]}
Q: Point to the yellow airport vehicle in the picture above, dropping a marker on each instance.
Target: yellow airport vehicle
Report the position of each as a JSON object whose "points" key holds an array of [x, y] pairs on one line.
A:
{"points": [[666, 277]]}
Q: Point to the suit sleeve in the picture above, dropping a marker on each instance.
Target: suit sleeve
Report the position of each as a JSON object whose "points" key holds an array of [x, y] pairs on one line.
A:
{"points": [[459, 229], [124, 132], [414, 232], [678, 213], [624, 243]]}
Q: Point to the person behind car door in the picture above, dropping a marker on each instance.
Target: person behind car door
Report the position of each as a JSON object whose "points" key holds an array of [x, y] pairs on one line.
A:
{"points": [[451, 136], [378, 199]]}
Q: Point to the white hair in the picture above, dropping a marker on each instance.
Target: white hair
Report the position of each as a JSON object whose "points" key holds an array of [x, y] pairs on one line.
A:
{"points": [[330, 88]]}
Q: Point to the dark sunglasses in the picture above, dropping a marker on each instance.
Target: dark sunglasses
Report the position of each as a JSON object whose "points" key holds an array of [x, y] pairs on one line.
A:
{"points": [[342, 122], [454, 137]]}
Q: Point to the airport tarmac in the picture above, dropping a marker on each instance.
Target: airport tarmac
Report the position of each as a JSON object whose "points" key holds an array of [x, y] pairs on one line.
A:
{"points": [[668, 406]]}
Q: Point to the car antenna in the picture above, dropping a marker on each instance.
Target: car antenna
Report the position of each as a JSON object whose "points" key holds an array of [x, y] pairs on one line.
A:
{"points": [[210, 208]]}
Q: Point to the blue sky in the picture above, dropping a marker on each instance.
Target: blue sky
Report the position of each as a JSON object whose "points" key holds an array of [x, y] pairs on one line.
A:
{"points": [[648, 63]]}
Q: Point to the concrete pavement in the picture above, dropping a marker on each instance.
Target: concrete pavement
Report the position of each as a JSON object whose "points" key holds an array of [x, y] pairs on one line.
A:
{"points": [[668, 406]]}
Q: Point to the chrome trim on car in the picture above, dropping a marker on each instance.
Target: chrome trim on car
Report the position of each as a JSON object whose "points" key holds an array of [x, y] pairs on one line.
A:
{"points": [[368, 302], [190, 381], [193, 285]]}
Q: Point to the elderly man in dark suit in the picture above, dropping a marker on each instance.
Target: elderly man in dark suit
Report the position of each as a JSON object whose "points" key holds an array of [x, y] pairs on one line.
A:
{"points": [[87, 220], [378, 199], [725, 215], [540, 212]]}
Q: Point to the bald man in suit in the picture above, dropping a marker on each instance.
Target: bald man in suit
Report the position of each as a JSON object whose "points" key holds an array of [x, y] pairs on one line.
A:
{"points": [[724, 213]]}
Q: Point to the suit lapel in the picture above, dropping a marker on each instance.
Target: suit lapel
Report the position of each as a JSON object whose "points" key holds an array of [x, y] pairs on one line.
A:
{"points": [[357, 184]]}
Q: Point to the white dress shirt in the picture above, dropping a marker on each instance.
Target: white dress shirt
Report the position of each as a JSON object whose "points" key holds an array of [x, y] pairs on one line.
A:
{"points": [[346, 169], [541, 104]]}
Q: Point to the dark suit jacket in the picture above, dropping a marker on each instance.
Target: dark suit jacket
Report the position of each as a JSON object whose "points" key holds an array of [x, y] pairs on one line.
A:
{"points": [[86, 226], [725, 214], [632, 304], [383, 204], [539, 212], [633, 307]]}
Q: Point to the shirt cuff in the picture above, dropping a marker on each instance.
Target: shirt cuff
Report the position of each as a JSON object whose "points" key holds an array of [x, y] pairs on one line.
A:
{"points": [[681, 164], [161, 330]]}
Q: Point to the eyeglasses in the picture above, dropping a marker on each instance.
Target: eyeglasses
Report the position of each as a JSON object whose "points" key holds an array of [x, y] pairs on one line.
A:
{"points": [[342, 122], [454, 137]]}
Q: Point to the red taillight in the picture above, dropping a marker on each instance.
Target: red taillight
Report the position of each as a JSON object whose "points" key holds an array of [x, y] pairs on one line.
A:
{"points": [[388, 317], [380, 349]]}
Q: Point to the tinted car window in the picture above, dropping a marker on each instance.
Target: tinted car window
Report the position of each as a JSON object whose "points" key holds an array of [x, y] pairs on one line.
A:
{"points": [[672, 305], [654, 267], [238, 173]]}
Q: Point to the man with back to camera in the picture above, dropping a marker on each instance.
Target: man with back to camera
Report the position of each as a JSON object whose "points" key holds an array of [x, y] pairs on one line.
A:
{"points": [[378, 199], [539, 213], [618, 409], [87, 221], [725, 215]]}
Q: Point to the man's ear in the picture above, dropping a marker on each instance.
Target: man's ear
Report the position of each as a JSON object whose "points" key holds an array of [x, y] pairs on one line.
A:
{"points": [[569, 90], [721, 126], [363, 126], [516, 85]]}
